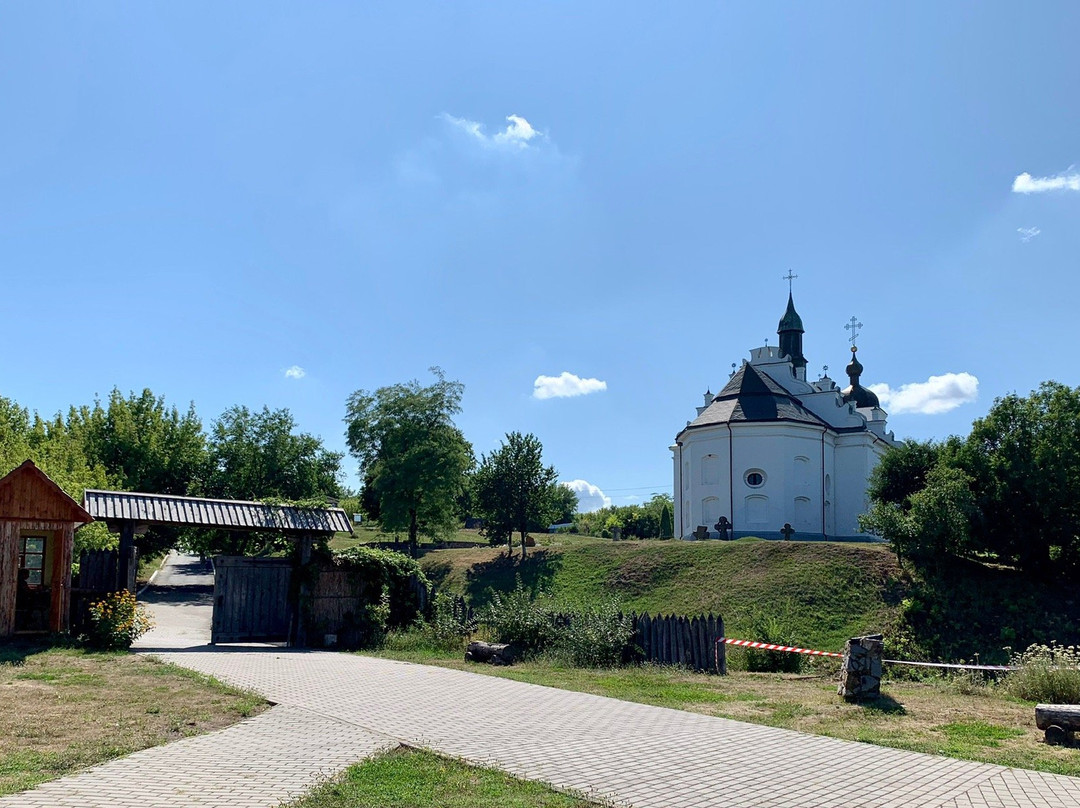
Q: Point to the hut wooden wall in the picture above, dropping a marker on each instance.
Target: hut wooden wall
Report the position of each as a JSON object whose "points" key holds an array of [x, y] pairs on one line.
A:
{"points": [[9, 571], [61, 538]]}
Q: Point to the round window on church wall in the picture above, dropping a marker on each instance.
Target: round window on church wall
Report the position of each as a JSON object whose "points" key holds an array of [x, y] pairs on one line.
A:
{"points": [[755, 478]]}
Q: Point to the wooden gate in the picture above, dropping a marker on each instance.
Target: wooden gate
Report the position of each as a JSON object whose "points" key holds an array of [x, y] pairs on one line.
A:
{"points": [[251, 599]]}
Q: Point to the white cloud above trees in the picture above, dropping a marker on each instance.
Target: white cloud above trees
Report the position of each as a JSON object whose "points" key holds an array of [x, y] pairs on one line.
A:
{"points": [[936, 395], [1027, 184], [590, 497], [566, 385], [295, 372]]}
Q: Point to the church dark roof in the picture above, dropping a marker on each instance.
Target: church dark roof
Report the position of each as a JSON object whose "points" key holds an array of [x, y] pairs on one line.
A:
{"points": [[753, 396], [854, 391], [791, 321]]}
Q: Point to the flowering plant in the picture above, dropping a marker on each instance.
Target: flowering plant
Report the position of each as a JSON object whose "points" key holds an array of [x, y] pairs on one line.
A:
{"points": [[116, 621]]}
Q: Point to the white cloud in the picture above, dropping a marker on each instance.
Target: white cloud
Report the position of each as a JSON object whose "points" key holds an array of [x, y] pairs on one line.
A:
{"points": [[936, 395], [565, 385], [590, 497], [1028, 233], [1027, 184], [517, 134], [295, 372]]}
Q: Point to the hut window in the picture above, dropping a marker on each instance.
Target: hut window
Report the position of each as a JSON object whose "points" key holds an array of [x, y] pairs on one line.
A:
{"points": [[32, 559]]}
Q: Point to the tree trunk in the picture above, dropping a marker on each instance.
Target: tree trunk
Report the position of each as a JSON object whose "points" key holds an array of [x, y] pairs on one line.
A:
{"points": [[523, 534], [414, 545]]}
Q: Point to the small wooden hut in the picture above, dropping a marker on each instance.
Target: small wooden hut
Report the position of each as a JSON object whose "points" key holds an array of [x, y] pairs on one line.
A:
{"points": [[37, 537]]}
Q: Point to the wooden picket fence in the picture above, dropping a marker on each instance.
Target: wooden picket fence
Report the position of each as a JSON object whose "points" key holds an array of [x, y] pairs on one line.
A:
{"points": [[691, 642]]}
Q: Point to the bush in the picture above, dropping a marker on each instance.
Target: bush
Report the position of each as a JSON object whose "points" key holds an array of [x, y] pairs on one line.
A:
{"points": [[773, 627], [116, 621], [519, 619], [593, 636], [1047, 673]]}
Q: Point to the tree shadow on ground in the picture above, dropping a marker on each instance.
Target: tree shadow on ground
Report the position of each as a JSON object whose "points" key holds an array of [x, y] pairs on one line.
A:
{"points": [[884, 704], [15, 652], [536, 572]]}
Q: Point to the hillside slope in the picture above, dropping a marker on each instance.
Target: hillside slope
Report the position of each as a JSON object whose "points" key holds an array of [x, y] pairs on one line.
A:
{"points": [[823, 592]]}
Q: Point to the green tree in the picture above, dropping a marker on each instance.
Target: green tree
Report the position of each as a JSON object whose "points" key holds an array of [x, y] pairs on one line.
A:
{"points": [[1024, 457], [565, 505], [261, 456], [667, 526], [515, 491], [412, 457], [902, 471]]}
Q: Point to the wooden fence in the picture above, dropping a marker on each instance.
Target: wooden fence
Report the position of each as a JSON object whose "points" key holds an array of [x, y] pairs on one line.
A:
{"points": [[100, 572]]}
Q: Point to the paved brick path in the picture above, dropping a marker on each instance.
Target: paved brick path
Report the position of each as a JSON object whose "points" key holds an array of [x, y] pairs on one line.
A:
{"points": [[337, 708]]}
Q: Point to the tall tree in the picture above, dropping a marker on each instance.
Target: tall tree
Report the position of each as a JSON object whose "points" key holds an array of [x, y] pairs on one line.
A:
{"points": [[515, 491], [412, 457]]}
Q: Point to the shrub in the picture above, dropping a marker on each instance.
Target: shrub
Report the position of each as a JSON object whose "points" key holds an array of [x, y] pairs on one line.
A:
{"points": [[594, 636], [773, 627], [518, 618], [116, 621], [1047, 673]]}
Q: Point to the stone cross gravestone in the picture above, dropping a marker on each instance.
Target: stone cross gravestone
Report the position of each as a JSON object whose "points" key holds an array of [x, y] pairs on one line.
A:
{"points": [[701, 533], [788, 531], [723, 527]]}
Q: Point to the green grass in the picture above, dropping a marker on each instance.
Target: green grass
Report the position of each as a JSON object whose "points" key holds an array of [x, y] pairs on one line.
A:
{"points": [[409, 778], [63, 709], [811, 583], [373, 534]]}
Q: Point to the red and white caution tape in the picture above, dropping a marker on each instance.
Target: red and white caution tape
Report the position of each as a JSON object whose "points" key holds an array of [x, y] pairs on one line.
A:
{"points": [[765, 646]]}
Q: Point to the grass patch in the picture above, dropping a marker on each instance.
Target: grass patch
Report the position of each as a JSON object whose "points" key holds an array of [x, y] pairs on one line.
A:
{"points": [[373, 534], [409, 778], [732, 579], [64, 709], [937, 717]]}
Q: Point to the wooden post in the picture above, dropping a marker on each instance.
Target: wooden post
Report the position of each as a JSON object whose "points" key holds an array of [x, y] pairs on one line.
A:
{"points": [[125, 574], [60, 606], [303, 592]]}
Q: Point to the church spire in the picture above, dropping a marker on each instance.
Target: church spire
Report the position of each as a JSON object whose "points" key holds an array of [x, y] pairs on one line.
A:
{"points": [[790, 331]]}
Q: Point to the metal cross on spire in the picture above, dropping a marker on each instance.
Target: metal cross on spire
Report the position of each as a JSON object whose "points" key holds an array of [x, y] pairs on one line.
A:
{"points": [[789, 278], [853, 327]]}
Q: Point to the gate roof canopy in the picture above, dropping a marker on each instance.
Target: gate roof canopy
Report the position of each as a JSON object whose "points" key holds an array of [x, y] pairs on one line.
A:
{"points": [[224, 514]]}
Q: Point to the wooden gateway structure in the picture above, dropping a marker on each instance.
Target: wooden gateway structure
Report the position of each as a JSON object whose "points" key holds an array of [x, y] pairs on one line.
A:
{"points": [[37, 536]]}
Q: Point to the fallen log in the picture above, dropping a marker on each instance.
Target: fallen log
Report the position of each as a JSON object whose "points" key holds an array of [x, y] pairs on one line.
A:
{"points": [[491, 653]]}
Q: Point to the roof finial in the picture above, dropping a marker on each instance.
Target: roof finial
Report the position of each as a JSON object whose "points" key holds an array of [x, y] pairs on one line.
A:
{"points": [[789, 278], [853, 327]]}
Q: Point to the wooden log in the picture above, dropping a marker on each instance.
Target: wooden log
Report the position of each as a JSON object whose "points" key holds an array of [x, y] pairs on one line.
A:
{"points": [[1066, 716], [491, 653]]}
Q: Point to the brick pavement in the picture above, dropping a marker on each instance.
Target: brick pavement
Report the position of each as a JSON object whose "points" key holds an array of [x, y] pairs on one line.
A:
{"points": [[337, 708]]}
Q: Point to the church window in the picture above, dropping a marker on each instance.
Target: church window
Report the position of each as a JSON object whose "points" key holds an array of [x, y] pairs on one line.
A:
{"points": [[757, 510], [755, 478], [710, 511], [710, 470]]}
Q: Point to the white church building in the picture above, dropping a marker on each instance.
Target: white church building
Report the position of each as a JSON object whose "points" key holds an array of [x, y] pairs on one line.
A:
{"points": [[773, 450]]}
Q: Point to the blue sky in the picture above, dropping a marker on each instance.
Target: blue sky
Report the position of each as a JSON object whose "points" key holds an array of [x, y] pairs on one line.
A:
{"points": [[197, 200]]}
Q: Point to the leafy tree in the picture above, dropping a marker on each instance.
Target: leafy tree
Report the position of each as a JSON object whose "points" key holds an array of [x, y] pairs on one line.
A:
{"points": [[144, 444], [1025, 459], [565, 504], [515, 491], [902, 471], [413, 455], [260, 456], [667, 526]]}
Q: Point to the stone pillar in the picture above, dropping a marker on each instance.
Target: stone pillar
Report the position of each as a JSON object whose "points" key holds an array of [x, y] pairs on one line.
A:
{"points": [[860, 673]]}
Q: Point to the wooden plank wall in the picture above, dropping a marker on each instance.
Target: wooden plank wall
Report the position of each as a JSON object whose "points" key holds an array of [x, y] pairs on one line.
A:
{"points": [[9, 571], [251, 599]]}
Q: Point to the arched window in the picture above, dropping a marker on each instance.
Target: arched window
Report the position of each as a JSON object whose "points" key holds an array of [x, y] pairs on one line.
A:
{"points": [[710, 511], [710, 470], [804, 515], [757, 510]]}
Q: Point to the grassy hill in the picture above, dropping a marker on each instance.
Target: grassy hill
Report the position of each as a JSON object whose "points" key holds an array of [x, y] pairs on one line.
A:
{"points": [[823, 592]]}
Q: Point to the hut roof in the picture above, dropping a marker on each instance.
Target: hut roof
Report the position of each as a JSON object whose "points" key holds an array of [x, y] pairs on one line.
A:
{"points": [[225, 514], [28, 493]]}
